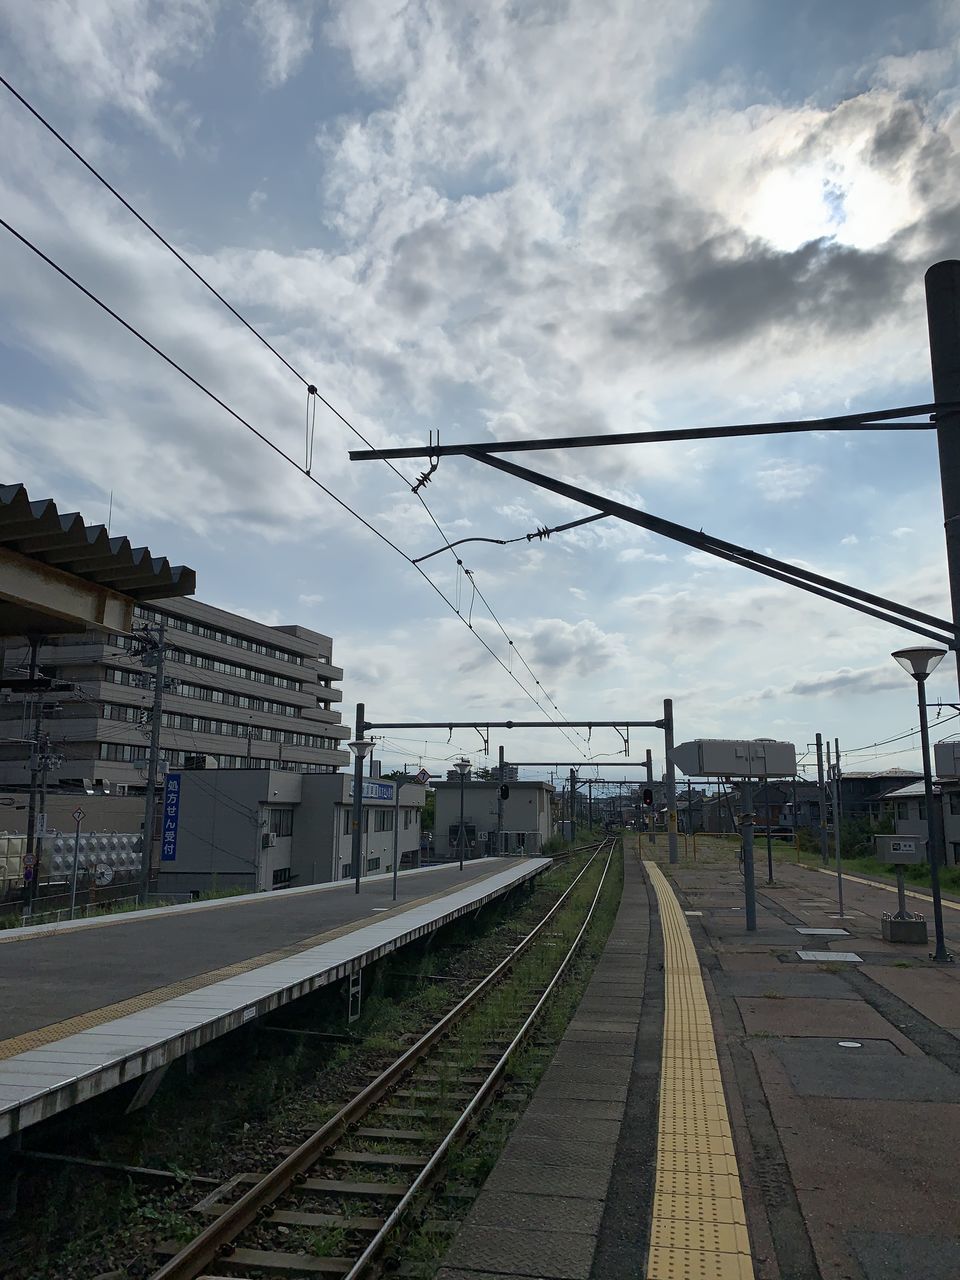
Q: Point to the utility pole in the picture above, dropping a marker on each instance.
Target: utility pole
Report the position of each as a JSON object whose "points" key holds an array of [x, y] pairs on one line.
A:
{"points": [[500, 803], [942, 282], [836, 761], [824, 852], [649, 766], [152, 657], [573, 805], [673, 851], [590, 804]]}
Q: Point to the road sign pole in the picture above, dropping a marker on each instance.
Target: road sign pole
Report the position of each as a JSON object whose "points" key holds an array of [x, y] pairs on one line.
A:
{"points": [[78, 818]]}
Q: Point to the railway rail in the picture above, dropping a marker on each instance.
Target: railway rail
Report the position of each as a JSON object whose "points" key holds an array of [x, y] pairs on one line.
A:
{"points": [[351, 1187]]}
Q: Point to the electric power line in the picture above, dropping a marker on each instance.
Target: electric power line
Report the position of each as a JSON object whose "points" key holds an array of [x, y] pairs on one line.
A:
{"points": [[311, 387], [27, 243]]}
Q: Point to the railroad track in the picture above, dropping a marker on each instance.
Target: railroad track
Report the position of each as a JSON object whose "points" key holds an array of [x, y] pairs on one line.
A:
{"points": [[338, 1202]]}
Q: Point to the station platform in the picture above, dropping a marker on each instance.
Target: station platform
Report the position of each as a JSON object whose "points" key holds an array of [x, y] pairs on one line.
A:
{"points": [[92, 1004], [722, 1108]]}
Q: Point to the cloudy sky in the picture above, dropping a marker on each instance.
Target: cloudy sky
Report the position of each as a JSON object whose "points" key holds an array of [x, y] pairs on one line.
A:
{"points": [[498, 220]]}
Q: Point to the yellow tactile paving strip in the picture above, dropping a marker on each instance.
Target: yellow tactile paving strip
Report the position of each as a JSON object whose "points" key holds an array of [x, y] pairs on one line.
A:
{"points": [[699, 1228], [96, 1017]]}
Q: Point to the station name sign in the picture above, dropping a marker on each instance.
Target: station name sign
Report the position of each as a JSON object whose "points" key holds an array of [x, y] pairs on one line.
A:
{"points": [[375, 790]]}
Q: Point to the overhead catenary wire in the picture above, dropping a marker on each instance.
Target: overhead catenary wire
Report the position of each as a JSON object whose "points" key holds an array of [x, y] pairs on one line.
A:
{"points": [[275, 448], [313, 394]]}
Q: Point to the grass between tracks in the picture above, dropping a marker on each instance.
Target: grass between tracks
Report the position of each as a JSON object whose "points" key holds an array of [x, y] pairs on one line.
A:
{"points": [[422, 1251], [250, 1094]]}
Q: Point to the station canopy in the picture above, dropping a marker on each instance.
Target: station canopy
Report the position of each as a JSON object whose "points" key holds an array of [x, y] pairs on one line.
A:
{"points": [[59, 575]]}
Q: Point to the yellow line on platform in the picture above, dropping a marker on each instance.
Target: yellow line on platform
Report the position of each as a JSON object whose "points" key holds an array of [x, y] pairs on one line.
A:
{"points": [[699, 1227], [887, 888]]}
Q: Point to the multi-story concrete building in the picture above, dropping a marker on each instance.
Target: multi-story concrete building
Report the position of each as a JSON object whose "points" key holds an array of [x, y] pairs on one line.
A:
{"points": [[238, 692]]}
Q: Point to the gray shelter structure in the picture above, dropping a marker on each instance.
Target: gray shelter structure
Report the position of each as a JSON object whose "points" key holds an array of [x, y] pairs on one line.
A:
{"points": [[263, 829], [527, 818]]}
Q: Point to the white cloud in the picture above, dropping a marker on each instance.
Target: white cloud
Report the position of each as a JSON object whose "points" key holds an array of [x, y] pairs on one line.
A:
{"points": [[851, 540], [785, 481], [114, 53], [285, 31]]}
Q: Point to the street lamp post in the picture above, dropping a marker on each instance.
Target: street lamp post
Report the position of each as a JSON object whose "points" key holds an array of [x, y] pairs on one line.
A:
{"points": [[920, 663], [360, 747], [462, 767]]}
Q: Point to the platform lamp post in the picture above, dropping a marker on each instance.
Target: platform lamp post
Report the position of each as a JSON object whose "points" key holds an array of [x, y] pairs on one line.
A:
{"points": [[920, 663], [360, 748], [462, 767]]}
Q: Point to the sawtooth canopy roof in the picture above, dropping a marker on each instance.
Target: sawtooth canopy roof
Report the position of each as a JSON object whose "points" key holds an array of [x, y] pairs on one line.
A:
{"points": [[40, 532]]}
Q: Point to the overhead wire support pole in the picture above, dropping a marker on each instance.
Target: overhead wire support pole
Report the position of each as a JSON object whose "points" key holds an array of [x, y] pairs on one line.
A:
{"points": [[942, 284], [154, 657]]}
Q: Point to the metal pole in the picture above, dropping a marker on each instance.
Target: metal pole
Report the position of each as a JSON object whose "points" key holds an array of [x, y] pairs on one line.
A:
{"points": [[573, 805], [649, 764], [749, 878], [150, 797], [824, 852], [460, 832], [933, 829], [835, 805], [766, 799], [396, 833], [76, 860], [590, 804], [672, 850], [836, 761], [500, 804], [942, 282], [691, 833], [356, 834]]}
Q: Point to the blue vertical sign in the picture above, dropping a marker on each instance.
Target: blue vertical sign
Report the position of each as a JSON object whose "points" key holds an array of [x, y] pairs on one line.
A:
{"points": [[171, 817]]}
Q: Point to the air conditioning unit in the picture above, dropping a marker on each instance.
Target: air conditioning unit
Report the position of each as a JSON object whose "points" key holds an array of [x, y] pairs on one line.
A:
{"points": [[121, 788]]}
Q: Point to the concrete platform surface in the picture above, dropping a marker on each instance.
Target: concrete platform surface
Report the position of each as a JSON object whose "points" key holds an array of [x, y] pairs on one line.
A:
{"points": [[88, 1009], [847, 1074]]}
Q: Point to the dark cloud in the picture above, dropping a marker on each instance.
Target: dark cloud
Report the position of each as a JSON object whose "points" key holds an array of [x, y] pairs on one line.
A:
{"points": [[847, 680], [896, 135], [729, 287]]}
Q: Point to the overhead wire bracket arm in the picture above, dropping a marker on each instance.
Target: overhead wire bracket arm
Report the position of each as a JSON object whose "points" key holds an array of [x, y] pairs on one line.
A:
{"points": [[817, 584], [879, 420]]}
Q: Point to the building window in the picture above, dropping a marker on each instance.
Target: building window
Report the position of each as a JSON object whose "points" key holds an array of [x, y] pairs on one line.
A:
{"points": [[902, 810], [955, 804], [373, 864], [346, 871], [281, 876], [407, 814], [922, 807], [347, 822], [366, 821], [383, 820], [281, 822]]}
